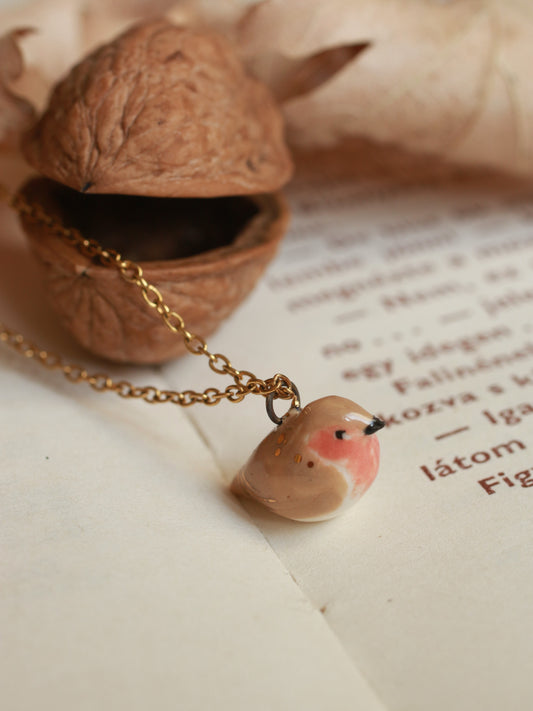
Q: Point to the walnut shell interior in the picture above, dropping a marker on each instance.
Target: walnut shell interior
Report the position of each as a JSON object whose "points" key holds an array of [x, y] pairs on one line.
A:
{"points": [[204, 255], [155, 229]]}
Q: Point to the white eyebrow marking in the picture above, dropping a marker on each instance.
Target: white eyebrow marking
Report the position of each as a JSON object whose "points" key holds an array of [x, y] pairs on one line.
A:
{"points": [[359, 417]]}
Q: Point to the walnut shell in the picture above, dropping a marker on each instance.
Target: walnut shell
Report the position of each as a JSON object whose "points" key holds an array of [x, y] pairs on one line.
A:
{"points": [[162, 111], [109, 316]]}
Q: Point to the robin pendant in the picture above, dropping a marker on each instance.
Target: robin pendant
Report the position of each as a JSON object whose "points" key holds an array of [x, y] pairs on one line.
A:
{"points": [[317, 463]]}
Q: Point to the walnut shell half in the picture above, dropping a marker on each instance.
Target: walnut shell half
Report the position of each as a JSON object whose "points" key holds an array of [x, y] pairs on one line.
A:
{"points": [[203, 255], [161, 111]]}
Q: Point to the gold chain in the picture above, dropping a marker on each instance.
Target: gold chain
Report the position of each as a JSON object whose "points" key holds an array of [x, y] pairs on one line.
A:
{"points": [[244, 382]]}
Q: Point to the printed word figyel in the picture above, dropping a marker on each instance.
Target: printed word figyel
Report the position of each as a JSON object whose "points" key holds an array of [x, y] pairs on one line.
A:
{"points": [[524, 478]]}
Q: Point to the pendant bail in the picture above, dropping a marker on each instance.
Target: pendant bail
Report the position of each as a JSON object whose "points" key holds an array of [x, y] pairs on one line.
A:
{"points": [[295, 404]]}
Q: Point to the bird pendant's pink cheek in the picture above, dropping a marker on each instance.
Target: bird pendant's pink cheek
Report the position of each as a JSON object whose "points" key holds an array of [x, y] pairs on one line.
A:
{"points": [[365, 462], [359, 455], [327, 446]]}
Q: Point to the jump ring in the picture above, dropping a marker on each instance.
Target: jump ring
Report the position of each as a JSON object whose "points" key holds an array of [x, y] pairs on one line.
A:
{"points": [[270, 404]]}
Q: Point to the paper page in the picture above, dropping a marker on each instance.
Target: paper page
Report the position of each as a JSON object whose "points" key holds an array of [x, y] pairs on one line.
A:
{"points": [[130, 579], [411, 294]]}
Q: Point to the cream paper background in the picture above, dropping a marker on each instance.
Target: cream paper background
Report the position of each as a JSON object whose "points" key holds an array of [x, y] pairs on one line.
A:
{"points": [[129, 577], [427, 584]]}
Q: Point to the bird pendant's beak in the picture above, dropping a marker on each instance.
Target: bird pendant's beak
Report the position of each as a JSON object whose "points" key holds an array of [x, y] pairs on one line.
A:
{"points": [[374, 426]]}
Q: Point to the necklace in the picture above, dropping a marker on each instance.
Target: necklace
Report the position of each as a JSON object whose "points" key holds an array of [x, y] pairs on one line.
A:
{"points": [[315, 464]]}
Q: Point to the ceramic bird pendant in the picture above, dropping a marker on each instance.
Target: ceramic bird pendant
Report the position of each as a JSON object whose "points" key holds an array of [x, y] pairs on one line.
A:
{"points": [[316, 463]]}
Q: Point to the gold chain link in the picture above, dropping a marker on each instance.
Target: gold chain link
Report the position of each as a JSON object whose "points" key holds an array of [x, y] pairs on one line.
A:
{"points": [[244, 382]]}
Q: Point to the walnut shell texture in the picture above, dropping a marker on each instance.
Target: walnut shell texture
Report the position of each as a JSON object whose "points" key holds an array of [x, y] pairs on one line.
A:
{"points": [[109, 316], [161, 111]]}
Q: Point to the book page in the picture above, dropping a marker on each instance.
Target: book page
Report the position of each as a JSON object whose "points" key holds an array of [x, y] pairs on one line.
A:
{"points": [[408, 288], [130, 579]]}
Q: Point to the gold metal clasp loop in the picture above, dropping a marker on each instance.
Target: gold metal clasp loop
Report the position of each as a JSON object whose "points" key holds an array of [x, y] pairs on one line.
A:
{"points": [[295, 404]]}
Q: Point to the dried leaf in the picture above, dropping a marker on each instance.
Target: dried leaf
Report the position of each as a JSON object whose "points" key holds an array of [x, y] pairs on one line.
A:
{"points": [[296, 77], [449, 78], [16, 113], [52, 48]]}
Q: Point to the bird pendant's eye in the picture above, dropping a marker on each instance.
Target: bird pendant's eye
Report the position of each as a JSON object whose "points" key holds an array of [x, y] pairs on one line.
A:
{"points": [[340, 434]]}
